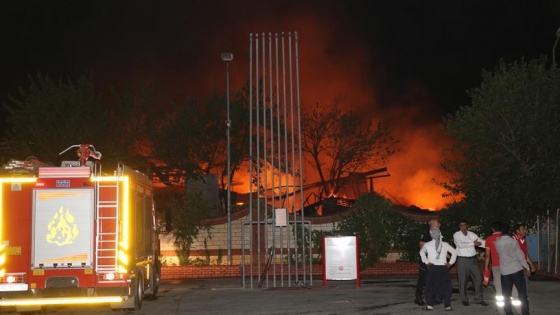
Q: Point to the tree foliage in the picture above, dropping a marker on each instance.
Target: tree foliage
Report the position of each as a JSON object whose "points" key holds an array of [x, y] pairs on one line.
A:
{"points": [[51, 115], [190, 139], [44, 119], [504, 159], [380, 228], [188, 212], [337, 143]]}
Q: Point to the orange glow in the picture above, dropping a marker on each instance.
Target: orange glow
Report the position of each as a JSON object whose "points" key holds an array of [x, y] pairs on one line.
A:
{"points": [[334, 61], [326, 75], [414, 169]]}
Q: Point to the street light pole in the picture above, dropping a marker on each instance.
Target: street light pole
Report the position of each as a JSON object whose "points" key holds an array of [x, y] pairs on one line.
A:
{"points": [[554, 48], [228, 57]]}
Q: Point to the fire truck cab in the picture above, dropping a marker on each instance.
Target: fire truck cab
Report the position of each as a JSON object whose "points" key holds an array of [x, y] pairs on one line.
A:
{"points": [[73, 235]]}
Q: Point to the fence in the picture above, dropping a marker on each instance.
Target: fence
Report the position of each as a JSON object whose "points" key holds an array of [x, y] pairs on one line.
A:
{"points": [[547, 236]]}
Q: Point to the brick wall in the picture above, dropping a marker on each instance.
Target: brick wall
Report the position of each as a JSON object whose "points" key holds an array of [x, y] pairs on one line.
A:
{"points": [[379, 270], [212, 246], [234, 271]]}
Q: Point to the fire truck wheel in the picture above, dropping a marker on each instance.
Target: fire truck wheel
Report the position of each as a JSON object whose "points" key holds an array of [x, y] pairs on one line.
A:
{"points": [[139, 288], [155, 278]]}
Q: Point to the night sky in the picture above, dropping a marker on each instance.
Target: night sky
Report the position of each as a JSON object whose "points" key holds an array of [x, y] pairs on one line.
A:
{"points": [[407, 63]]}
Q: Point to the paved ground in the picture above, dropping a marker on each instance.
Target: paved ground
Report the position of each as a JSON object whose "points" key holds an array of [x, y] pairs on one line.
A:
{"points": [[226, 296]]}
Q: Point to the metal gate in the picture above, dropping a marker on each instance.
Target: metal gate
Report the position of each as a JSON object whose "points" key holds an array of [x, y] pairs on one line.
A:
{"points": [[547, 235]]}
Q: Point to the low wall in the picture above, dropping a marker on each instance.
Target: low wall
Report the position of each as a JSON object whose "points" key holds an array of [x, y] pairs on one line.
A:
{"points": [[377, 271], [214, 242]]}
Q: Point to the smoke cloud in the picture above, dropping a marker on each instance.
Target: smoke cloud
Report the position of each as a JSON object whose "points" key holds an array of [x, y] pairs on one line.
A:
{"points": [[335, 62]]}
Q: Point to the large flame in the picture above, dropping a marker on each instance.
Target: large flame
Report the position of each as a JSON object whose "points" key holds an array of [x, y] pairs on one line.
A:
{"points": [[335, 61]]}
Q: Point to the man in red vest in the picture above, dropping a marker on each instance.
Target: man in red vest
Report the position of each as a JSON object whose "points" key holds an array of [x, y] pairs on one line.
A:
{"points": [[492, 255]]}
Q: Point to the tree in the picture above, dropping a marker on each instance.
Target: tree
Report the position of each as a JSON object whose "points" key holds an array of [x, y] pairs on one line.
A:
{"points": [[191, 138], [50, 116], [380, 228], [189, 212], [504, 158], [338, 143], [187, 141]]}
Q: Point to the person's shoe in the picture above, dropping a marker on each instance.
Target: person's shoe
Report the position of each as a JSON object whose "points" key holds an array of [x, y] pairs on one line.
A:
{"points": [[447, 309], [419, 300], [428, 308], [466, 303], [483, 303]]}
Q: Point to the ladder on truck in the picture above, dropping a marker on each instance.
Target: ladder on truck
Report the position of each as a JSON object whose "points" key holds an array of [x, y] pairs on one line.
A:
{"points": [[107, 201]]}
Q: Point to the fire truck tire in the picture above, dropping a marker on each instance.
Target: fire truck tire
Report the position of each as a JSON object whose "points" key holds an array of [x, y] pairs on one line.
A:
{"points": [[139, 291], [155, 278]]}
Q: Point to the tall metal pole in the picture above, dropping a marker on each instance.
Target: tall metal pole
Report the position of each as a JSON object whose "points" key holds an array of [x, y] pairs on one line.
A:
{"points": [[228, 125], [554, 47], [227, 57]]}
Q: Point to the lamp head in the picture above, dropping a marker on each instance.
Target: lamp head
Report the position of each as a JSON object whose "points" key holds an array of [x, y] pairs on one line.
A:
{"points": [[227, 57], [558, 33]]}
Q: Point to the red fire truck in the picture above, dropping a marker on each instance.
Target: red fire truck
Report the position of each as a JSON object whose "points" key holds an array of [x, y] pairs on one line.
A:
{"points": [[74, 235]]}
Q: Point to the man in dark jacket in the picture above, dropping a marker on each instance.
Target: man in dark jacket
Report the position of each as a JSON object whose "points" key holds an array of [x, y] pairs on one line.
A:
{"points": [[421, 282]]}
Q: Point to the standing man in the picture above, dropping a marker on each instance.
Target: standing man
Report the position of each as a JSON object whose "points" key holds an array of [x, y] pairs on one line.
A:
{"points": [[519, 236], [467, 263], [438, 282], [424, 238], [513, 268], [492, 255]]}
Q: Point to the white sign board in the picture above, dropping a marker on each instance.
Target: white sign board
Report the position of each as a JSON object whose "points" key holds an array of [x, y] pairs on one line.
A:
{"points": [[341, 258], [281, 217]]}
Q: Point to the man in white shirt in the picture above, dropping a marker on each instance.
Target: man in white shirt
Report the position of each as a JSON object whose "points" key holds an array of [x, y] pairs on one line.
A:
{"points": [[438, 282], [467, 263]]}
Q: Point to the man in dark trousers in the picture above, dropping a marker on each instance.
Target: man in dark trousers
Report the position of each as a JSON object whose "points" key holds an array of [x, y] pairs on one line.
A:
{"points": [[438, 282], [467, 263], [519, 233], [513, 269], [424, 238]]}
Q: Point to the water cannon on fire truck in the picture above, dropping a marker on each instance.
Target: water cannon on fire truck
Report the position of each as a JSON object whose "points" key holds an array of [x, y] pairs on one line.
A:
{"points": [[84, 152]]}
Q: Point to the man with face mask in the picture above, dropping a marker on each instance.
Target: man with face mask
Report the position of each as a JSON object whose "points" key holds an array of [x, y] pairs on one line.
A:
{"points": [[438, 282], [423, 270]]}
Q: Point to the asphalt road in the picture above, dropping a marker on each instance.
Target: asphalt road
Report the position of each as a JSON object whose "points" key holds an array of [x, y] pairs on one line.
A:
{"points": [[226, 296]]}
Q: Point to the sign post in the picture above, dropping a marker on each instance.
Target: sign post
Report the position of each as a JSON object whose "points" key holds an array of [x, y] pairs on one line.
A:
{"points": [[341, 259]]}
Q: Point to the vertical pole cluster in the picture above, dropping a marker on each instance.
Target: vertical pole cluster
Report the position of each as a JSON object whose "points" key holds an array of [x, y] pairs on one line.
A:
{"points": [[275, 156]]}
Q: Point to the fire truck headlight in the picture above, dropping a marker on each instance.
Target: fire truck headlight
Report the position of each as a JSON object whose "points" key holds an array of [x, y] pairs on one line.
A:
{"points": [[109, 276], [10, 279]]}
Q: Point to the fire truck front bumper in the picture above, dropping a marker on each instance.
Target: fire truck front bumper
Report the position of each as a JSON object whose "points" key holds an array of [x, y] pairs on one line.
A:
{"points": [[61, 301]]}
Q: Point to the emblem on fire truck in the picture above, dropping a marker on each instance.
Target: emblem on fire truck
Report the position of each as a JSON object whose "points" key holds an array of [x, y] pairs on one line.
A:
{"points": [[61, 229]]}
